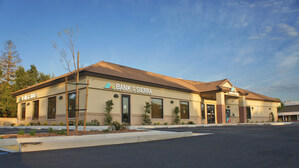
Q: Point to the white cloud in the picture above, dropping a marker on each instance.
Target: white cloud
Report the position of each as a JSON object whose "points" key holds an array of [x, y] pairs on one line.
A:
{"points": [[288, 58], [289, 30], [268, 29], [257, 36]]}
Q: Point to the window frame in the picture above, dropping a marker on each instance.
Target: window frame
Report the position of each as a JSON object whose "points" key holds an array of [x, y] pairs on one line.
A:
{"points": [[55, 108], [33, 115], [188, 116], [68, 105], [23, 117], [162, 110], [248, 107], [203, 111]]}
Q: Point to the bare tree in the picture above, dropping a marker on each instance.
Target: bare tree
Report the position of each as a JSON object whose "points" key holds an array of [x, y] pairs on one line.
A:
{"points": [[70, 63], [9, 62]]}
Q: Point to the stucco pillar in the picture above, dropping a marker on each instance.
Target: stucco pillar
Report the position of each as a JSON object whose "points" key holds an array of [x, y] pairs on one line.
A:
{"points": [[242, 110], [220, 107]]}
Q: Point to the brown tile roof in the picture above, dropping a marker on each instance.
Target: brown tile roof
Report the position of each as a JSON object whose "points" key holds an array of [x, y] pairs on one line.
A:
{"points": [[148, 78]]}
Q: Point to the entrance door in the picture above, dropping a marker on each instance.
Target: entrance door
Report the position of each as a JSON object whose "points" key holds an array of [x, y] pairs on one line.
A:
{"points": [[36, 110], [126, 109], [211, 114]]}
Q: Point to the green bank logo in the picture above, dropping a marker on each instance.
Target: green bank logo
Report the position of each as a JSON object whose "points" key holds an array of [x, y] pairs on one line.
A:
{"points": [[233, 89], [109, 86]]}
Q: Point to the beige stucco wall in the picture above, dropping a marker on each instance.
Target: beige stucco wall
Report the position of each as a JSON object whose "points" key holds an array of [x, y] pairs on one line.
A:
{"points": [[260, 110]]}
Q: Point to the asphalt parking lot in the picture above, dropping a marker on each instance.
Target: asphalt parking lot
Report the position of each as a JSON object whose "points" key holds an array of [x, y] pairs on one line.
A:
{"points": [[229, 146]]}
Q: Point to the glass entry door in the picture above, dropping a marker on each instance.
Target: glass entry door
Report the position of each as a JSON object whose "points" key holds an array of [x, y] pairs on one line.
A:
{"points": [[211, 114], [126, 109]]}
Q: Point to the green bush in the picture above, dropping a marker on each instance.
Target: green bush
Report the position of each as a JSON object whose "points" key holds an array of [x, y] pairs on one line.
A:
{"points": [[94, 122], [183, 123], [191, 122], [81, 122], [177, 118], [38, 123], [62, 132], [50, 130], [54, 124], [45, 123], [13, 124], [165, 123], [32, 132], [71, 123], [21, 132], [106, 130], [146, 117], [61, 123], [117, 125], [1, 137], [108, 109], [272, 117]]}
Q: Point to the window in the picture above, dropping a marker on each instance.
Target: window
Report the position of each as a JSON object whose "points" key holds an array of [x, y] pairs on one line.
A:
{"points": [[203, 113], [52, 108], [35, 110], [248, 111], [72, 105], [184, 110], [23, 106], [157, 108]]}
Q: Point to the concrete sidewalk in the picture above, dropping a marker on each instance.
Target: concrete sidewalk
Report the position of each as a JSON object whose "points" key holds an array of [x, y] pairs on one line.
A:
{"points": [[64, 142]]}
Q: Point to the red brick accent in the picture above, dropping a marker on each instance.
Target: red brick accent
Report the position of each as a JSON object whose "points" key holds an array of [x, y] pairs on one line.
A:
{"points": [[242, 115], [221, 113]]}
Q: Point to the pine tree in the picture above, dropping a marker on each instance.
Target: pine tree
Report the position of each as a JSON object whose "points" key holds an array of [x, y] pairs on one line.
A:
{"points": [[9, 62], [108, 109], [145, 115]]}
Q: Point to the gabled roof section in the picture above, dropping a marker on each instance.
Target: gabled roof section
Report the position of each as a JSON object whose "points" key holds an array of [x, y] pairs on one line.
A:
{"points": [[210, 86]]}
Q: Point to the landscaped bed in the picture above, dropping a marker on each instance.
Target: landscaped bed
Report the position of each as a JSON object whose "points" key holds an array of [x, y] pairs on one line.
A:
{"points": [[52, 132]]}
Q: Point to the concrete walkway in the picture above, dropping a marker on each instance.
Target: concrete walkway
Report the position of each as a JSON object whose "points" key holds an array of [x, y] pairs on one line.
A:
{"points": [[64, 142]]}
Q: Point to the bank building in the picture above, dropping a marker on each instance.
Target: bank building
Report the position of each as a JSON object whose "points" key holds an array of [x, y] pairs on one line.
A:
{"points": [[200, 102]]}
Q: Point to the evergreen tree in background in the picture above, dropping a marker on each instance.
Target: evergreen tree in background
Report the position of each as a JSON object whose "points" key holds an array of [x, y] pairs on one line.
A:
{"points": [[14, 77]]}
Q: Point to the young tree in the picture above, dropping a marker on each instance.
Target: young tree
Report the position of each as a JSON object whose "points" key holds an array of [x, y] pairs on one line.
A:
{"points": [[108, 108], [145, 115], [9, 62], [69, 36], [176, 115]]}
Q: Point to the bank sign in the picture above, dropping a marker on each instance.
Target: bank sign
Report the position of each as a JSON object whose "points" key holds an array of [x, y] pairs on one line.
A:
{"points": [[129, 88], [234, 92], [28, 97]]}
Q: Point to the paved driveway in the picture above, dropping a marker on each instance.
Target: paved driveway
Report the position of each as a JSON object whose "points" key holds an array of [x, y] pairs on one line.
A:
{"points": [[235, 146]]}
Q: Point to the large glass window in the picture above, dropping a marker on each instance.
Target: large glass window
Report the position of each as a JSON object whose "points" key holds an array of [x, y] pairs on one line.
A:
{"points": [[23, 106], [248, 111], [72, 105], [52, 108], [157, 108], [203, 111], [184, 110], [35, 110]]}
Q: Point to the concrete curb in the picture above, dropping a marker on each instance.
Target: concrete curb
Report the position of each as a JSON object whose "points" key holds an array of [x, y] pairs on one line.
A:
{"points": [[65, 142]]}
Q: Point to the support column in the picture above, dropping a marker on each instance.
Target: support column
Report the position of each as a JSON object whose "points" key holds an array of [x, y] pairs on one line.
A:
{"points": [[242, 110], [221, 118]]}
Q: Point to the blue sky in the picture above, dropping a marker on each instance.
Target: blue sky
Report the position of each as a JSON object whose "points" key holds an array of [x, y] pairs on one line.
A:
{"points": [[255, 44]]}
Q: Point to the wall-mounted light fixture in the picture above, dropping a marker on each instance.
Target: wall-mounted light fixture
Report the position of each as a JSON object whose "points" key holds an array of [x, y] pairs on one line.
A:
{"points": [[228, 107], [115, 95], [171, 101], [269, 108], [60, 97], [252, 108], [28, 104]]}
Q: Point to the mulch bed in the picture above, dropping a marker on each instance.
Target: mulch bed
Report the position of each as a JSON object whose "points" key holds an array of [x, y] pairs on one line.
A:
{"points": [[71, 133]]}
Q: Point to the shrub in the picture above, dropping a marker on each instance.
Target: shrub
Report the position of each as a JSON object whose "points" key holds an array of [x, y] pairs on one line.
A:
{"points": [[62, 132], [94, 122], [13, 124], [71, 123], [61, 123], [1, 137], [27, 124], [279, 120], [262, 121], [165, 123], [38, 123], [191, 122], [45, 123], [176, 115], [272, 116], [106, 130], [146, 117], [81, 122], [21, 132], [50, 130], [158, 123], [108, 109], [32, 132], [117, 125], [183, 123], [54, 124]]}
